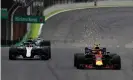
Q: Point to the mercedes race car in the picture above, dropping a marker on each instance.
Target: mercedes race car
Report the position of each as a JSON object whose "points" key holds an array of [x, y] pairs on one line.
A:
{"points": [[97, 58], [31, 49]]}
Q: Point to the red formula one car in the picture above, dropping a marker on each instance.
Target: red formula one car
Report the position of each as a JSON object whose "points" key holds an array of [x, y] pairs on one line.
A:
{"points": [[97, 58]]}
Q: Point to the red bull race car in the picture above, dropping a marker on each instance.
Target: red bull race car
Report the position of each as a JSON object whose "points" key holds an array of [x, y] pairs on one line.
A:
{"points": [[97, 58]]}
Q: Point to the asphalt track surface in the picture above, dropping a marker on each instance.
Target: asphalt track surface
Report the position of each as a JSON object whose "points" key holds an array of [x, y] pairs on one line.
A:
{"points": [[69, 32]]}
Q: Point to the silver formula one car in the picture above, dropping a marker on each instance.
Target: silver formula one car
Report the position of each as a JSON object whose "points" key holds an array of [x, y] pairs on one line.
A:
{"points": [[31, 49]]}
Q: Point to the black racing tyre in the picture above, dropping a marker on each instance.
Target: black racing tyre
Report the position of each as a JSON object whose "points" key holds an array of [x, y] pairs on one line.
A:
{"points": [[12, 55], [80, 61], [75, 59], [116, 61], [49, 54], [44, 57], [46, 53]]}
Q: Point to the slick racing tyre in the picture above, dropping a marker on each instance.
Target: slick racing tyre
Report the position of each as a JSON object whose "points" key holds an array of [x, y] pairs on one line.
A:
{"points": [[75, 59], [80, 61], [46, 53], [44, 57], [12, 55], [116, 61], [49, 54]]}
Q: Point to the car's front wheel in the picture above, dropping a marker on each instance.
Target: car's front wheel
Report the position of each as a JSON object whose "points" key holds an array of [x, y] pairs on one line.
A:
{"points": [[45, 56], [11, 55]]}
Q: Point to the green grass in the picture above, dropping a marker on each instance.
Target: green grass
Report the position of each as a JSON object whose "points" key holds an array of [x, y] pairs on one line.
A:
{"points": [[34, 30]]}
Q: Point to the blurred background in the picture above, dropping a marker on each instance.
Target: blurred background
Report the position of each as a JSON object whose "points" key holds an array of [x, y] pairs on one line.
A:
{"points": [[25, 7]]}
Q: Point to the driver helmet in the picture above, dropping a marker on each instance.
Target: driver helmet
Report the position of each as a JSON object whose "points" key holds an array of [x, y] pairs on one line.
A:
{"points": [[97, 47]]}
